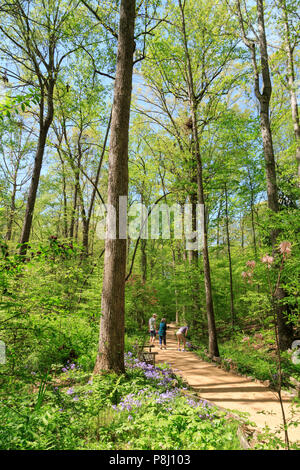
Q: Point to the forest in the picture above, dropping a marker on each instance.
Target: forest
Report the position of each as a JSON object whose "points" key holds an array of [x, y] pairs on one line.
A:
{"points": [[149, 176]]}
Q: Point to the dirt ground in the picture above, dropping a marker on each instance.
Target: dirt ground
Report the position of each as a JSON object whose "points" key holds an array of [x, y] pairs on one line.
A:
{"points": [[228, 390]]}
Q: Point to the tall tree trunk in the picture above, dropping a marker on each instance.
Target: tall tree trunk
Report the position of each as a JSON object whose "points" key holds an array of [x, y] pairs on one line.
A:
{"points": [[285, 331], [85, 222], [43, 132], [218, 224], [229, 258], [196, 321], [212, 332], [291, 85], [242, 231], [74, 210], [96, 182], [111, 342], [143, 259], [143, 252], [33, 190], [253, 231], [87, 215], [77, 222], [193, 254], [264, 104], [65, 202], [85, 233], [175, 282], [252, 215], [262, 74], [12, 210]]}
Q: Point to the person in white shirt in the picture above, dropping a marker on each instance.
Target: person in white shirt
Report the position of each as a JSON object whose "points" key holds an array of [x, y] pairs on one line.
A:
{"points": [[181, 336], [152, 328]]}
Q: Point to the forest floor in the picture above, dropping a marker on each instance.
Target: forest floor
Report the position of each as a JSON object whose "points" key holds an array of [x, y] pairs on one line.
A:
{"points": [[228, 390]]}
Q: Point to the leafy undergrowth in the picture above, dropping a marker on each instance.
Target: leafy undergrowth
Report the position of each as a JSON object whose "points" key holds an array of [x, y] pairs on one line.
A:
{"points": [[142, 409]]}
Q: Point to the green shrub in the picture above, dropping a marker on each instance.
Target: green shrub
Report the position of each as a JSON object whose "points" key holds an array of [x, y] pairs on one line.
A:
{"points": [[143, 409]]}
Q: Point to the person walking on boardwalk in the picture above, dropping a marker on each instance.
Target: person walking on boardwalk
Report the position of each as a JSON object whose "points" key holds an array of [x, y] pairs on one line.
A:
{"points": [[152, 328], [162, 333], [181, 336]]}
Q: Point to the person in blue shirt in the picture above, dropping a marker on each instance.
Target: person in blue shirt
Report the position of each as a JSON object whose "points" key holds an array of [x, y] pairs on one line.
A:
{"points": [[162, 333]]}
